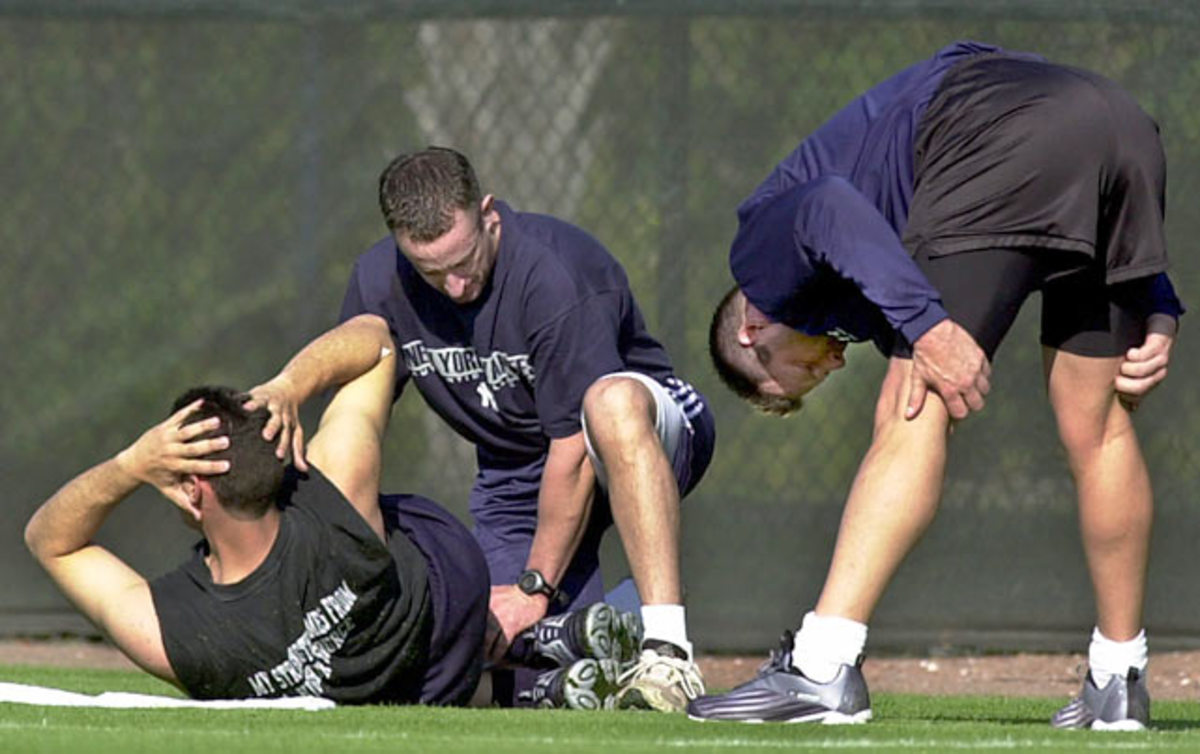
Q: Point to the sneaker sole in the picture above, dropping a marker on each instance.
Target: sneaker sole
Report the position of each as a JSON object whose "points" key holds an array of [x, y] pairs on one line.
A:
{"points": [[627, 636], [611, 635], [1128, 726], [598, 631], [648, 699], [590, 685], [822, 718]]}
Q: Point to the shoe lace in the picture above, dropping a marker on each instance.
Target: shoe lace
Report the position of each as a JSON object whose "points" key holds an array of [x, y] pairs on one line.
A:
{"points": [[664, 670], [781, 658]]}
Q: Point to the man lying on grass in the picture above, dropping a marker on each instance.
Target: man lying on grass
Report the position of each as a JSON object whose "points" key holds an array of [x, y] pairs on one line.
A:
{"points": [[306, 582]]}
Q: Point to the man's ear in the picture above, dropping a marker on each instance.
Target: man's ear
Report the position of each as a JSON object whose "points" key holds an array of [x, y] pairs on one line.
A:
{"points": [[752, 322], [192, 488], [487, 212]]}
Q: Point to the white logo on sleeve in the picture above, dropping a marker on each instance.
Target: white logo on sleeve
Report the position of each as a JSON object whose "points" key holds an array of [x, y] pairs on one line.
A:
{"points": [[839, 334], [487, 398]]}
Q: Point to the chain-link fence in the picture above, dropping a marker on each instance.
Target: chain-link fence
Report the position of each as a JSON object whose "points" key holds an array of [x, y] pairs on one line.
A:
{"points": [[185, 187]]}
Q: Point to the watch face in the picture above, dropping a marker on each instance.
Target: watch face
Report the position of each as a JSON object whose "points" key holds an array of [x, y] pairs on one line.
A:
{"points": [[531, 582]]}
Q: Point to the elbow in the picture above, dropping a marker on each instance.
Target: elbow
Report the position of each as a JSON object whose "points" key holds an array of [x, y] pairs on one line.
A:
{"points": [[33, 539], [375, 325], [39, 541]]}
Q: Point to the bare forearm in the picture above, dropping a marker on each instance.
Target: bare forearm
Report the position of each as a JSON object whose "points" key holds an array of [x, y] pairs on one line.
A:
{"points": [[69, 520], [338, 356], [564, 503]]}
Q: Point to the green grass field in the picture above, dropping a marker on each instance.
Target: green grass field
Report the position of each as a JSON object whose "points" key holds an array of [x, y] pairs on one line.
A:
{"points": [[902, 723]]}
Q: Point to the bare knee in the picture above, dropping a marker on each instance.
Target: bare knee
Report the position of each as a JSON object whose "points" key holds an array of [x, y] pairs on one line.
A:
{"points": [[890, 418], [1086, 409], [617, 407]]}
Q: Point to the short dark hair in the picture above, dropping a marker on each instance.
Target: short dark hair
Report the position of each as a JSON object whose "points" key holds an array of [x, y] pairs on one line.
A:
{"points": [[255, 473], [724, 349], [419, 192]]}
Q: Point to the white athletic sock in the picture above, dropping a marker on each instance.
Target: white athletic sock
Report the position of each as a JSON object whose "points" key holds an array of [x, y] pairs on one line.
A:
{"points": [[666, 623], [1107, 658], [824, 643]]}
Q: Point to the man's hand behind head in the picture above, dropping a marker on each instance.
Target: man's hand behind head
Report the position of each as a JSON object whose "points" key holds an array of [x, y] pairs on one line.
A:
{"points": [[168, 452]]}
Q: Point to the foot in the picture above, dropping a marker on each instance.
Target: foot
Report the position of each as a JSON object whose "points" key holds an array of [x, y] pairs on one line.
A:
{"points": [[662, 679], [781, 693], [599, 631], [1123, 704], [586, 684]]}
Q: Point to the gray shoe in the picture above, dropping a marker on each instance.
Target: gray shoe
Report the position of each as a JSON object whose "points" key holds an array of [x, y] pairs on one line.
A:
{"points": [[599, 631], [780, 693], [1123, 704], [586, 684]]}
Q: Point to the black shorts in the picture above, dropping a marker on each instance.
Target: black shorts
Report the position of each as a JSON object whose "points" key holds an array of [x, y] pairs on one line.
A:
{"points": [[983, 291], [1015, 153]]}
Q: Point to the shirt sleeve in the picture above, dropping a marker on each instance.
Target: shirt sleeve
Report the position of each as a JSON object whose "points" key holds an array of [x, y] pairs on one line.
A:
{"points": [[353, 303], [365, 294], [1162, 297], [570, 353], [840, 228]]}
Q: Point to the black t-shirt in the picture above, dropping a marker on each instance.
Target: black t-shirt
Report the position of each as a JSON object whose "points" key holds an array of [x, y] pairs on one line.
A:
{"points": [[509, 370], [331, 612]]}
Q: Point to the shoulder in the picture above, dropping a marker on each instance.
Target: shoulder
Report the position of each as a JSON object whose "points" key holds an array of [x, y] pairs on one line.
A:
{"points": [[309, 491], [556, 262], [385, 283], [547, 245], [795, 209], [376, 269], [828, 197], [380, 257], [552, 234], [311, 498]]}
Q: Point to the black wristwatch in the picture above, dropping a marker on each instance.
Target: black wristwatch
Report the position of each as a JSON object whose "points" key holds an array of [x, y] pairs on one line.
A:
{"points": [[533, 582]]}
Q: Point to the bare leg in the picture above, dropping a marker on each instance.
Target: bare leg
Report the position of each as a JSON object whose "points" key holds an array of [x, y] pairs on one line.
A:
{"points": [[642, 492], [1115, 499], [893, 500], [641, 485]]}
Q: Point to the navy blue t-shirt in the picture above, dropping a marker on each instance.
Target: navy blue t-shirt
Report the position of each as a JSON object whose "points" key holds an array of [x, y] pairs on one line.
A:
{"points": [[509, 370], [818, 245]]}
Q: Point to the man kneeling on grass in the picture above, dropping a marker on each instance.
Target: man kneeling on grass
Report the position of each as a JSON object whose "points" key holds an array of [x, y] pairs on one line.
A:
{"points": [[308, 582]]}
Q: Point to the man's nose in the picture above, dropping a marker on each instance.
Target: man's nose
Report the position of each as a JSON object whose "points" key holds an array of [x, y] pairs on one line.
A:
{"points": [[455, 286]]}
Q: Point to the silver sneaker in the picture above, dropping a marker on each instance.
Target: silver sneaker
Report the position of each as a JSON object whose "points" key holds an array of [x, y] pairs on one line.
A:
{"points": [[1123, 704], [660, 681], [599, 631], [781, 693], [586, 684]]}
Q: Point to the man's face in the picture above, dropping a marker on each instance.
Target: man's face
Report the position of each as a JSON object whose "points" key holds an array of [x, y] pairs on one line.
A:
{"points": [[460, 262], [795, 363]]}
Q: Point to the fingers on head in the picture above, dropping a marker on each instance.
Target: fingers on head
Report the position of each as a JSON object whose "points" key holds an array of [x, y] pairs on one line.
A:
{"points": [[195, 429]]}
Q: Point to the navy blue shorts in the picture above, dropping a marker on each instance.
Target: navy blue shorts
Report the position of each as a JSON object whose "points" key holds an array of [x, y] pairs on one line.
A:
{"points": [[458, 590]]}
